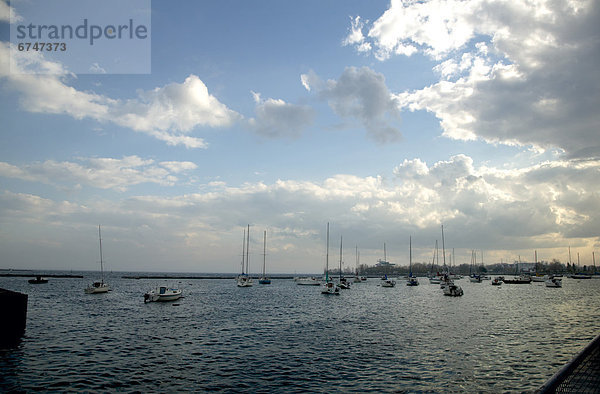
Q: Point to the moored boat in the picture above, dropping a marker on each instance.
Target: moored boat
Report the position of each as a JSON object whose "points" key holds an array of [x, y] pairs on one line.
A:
{"points": [[162, 293], [38, 280], [244, 279], [497, 281], [411, 280], [453, 290], [98, 287], [329, 287], [553, 282]]}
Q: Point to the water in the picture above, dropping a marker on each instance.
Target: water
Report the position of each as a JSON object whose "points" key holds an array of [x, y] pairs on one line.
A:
{"points": [[285, 337]]}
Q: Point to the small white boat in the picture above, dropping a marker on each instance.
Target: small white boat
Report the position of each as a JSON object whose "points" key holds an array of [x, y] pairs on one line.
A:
{"points": [[453, 290], [553, 282], [388, 282], [497, 281], [162, 293]]}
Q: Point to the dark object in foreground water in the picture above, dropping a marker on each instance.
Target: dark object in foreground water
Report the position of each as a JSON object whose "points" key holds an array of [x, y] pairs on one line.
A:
{"points": [[580, 375], [13, 312]]}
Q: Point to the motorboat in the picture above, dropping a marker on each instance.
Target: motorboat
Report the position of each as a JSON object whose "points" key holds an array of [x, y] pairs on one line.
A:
{"points": [[344, 283], [388, 283], [162, 293], [38, 280], [497, 281], [453, 290], [553, 282]]}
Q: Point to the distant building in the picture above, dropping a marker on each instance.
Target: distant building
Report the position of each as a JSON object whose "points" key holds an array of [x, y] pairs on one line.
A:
{"points": [[383, 263]]}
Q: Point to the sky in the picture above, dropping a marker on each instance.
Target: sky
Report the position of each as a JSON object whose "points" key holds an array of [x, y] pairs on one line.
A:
{"points": [[385, 119]]}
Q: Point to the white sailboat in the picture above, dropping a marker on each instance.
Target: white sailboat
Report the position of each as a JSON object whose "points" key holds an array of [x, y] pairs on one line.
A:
{"points": [[263, 279], [449, 288], [435, 278], [329, 287], [98, 287], [412, 280], [344, 283], [244, 280]]}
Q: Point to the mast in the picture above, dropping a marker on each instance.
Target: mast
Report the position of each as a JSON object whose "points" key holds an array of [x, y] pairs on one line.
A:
{"points": [[248, 251], [101, 263], [384, 253], [327, 257], [341, 238], [264, 252], [410, 257], [357, 258], [443, 247], [243, 250]]}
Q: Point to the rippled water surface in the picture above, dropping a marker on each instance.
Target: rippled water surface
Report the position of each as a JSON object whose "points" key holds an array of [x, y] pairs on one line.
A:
{"points": [[285, 337]]}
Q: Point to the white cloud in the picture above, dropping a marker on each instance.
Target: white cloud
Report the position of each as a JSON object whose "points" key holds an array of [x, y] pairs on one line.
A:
{"points": [[505, 212], [167, 113], [514, 72], [7, 13], [102, 173], [360, 93], [276, 118]]}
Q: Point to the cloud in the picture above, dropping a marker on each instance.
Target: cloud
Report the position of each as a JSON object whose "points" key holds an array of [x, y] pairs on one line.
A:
{"points": [[520, 73], [276, 118], [507, 212], [7, 13], [102, 173], [360, 93], [167, 113]]}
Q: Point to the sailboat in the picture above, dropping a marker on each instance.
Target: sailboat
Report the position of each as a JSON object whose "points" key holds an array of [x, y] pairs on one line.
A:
{"points": [[412, 280], [473, 277], [344, 284], [357, 278], [244, 279], [329, 287], [449, 288], [435, 278], [263, 279], [98, 287]]}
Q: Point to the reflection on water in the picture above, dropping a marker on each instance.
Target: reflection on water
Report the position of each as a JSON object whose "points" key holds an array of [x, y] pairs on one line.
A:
{"points": [[507, 338]]}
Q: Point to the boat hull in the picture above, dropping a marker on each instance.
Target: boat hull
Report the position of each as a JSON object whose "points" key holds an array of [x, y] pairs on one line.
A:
{"points": [[97, 288]]}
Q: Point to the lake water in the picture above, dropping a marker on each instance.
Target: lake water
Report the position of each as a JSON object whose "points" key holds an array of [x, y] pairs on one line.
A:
{"points": [[285, 337]]}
